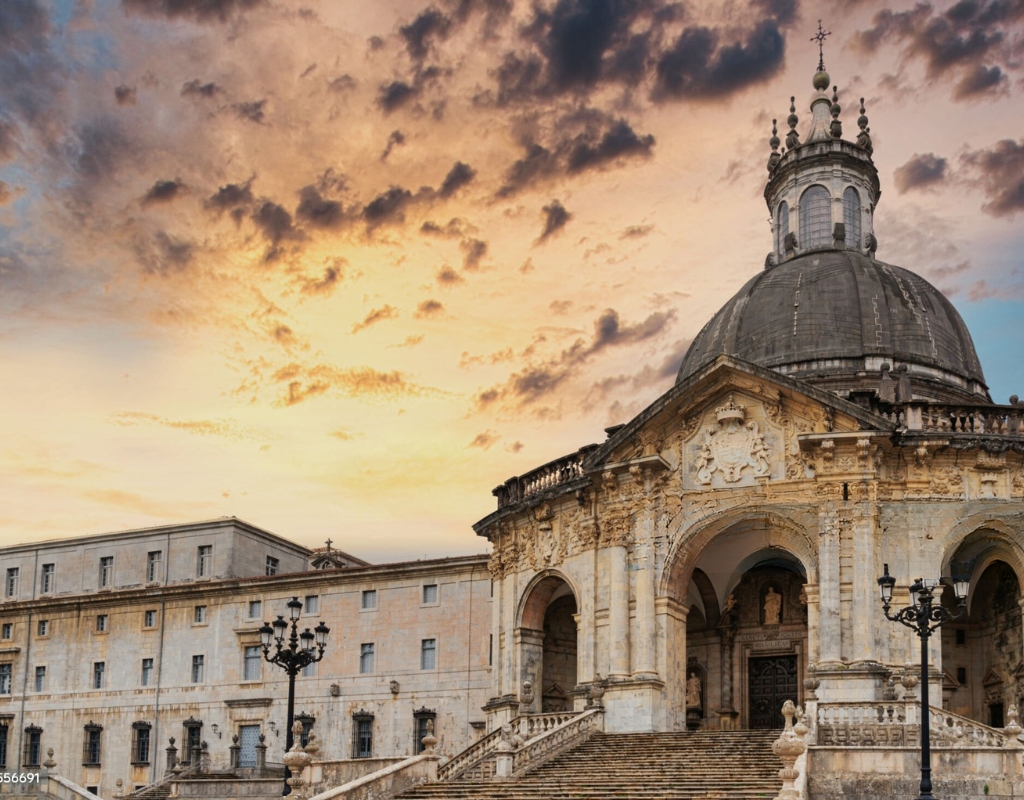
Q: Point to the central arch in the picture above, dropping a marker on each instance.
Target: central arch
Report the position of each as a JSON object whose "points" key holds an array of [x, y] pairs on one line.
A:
{"points": [[546, 640]]}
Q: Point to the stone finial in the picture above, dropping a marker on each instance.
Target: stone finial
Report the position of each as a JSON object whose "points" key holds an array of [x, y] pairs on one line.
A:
{"points": [[837, 125], [297, 759], [904, 393], [811, 682], [774, 142], [909, 680], [50, 764], [886, 387], [792, 138], [429, 740], [788, 747], [596, 691], [864, 137], [1012, 730]]}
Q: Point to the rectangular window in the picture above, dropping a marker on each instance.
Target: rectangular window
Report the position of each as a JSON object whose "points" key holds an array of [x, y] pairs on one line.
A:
{"points": [[309, 671], [91, 755], [370, 598], [149, 618], [312, 604], [428, 654], [198, 669], [255, 609], [98, 669], [961, 636], [102, 622], [5, 678], [423, 724], [33, 746], [147, 671], [490, 651], [106, 571], [253, 663], [961, 675], [43, 627], [40, 678], [154, 561], [140, 742], [272, 565], [47, 578], [3, 746], [204, 561], [366, 658], [430, 594], [7, 631], [199, 615], [364, 737], [11, 587]]}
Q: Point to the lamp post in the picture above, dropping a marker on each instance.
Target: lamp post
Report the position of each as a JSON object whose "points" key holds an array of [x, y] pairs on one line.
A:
{"points": [[300, 650], [923, 616]]}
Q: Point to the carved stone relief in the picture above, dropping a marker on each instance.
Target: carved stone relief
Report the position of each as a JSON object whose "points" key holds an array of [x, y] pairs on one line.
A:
{"points": [[732, 446]]}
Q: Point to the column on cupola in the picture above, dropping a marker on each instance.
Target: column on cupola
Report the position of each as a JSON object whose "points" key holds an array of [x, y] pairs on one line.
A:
{"points": [[829, 626], [618, 609]]}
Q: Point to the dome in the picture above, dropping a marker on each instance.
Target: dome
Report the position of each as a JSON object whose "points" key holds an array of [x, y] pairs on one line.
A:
{"points": [[833, 317]]}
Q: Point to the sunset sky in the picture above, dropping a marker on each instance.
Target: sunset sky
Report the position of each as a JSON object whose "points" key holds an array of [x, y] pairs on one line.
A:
{"points": [[340, 268]]}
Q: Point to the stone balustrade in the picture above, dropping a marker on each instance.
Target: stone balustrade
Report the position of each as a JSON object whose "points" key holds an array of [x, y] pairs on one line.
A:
{"points": [[952, 730], [571, 733], [471, 756], [548, 476], [993, 420], [532, 725]]}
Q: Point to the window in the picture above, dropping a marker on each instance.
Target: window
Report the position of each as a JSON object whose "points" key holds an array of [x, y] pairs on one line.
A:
{"points": [[40, 678], [33, 746], [3, 746], [140, 742], [193, 738], [428, 654], [365, 658], [362, 735], [43, 627], [815, 218], [783, 230], [255, 609], [5, 678], [91, 754], [149, 618], [490, 651], [423, 723], [253, 663], [98, 668], [198, 669], [961, 675], [961, 636], [204, 561], [307, 721], [312, 604], [309, 671], [47, 578], [430, 594], [851, 217], [106, 571], [272, 565], [154, 561], [199, 615], [370, 598], [102, 623], [7, 631], [11, 587], [147, 672]]}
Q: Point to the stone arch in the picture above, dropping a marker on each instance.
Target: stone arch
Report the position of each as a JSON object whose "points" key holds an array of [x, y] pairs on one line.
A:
{"points": [[538, 595], [708, 597], [547, 647], [1002, 544]]}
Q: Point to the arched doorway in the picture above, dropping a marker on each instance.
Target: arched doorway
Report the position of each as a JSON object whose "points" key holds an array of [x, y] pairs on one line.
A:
{"points": [[547, 641]]}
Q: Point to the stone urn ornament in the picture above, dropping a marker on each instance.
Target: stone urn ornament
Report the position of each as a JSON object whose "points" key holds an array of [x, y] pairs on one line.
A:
{"points": [[296, 760], [429, 740], [811, 682], [596, 691], [909, 681], [788, 747], [1012, 730]]}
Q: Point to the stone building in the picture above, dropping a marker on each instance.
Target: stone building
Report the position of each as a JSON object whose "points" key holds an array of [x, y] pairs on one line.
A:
{"points": [[112, 644]]}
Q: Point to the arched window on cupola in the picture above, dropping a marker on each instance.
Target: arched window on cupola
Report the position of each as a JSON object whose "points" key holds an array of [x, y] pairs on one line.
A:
{"points": [[782, 227], [851, 217], [815, 219]]}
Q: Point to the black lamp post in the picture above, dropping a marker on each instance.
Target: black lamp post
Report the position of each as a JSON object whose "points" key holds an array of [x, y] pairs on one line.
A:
{"points": [[300, 650], [924, 616]]}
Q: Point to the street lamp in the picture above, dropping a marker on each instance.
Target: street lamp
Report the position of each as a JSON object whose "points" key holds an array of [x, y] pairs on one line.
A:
{"points": [[922, 617], [300, 650]]}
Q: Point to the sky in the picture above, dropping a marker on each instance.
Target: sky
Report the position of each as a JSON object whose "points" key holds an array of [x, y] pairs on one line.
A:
{"points": [[340, 268]]}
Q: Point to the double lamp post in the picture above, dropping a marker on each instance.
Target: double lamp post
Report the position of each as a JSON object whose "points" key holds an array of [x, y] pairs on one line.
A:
{"points": [[923, 616], [300, 650]]}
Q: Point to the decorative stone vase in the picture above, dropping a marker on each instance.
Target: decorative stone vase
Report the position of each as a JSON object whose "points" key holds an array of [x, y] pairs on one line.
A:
{"points": [[1012, 730], [429, 740], [596, 691], [811, 682], [909, 681], [297, 760], [788, 747]]}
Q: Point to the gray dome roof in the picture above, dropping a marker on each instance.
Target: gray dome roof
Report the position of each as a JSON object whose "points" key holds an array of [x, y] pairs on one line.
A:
{"points": [[832, 317]]}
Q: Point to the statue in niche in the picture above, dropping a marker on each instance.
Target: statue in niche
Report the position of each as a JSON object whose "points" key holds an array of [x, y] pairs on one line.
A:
{"points": [[727, 610], [772, 607], [693, 689]]}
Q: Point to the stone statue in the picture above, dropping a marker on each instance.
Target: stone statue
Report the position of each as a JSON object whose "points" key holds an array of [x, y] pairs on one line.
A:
{"points": [[772, 607], [693, 691]]}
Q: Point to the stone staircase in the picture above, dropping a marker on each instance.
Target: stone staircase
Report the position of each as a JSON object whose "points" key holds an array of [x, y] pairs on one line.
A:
{"points": [[736, 765]]}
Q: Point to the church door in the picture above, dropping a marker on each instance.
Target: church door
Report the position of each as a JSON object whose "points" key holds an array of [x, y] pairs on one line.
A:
{"points": [[772, 682], [248, 738]]}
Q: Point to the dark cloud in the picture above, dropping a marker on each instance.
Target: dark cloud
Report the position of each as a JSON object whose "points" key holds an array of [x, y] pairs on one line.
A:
{"points": [[446, 276], [555, 218], [537, 164], [784, 12], [163, 192], [101, 147], [124, 95], [618, 142], [317, 210], [473, 252], [458, 176], [698, 66], [999, 171], [980, 80], [301, 382], [275, 223], [396, 94], [429, 308], [196, 88], [251, 110], [388, 207], [920, 172], [429, 25], [636, 231], [455, 228], [484, 440], [163, 255], [394, 140], [231, 196], [326, 284], [193, 10], [375, 316]]}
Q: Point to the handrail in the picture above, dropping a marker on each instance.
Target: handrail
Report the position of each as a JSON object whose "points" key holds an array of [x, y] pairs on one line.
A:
{"points": [[976, 418], [546, 476], [569, 734], [472, 755], [959, 731], [145, 791]]}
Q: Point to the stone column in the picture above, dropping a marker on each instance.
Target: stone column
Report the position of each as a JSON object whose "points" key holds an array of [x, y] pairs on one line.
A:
{"points": [[813, 621], [829, 629], [509, 656], [865, 583], [644, 657], [671, 650], [618, 612], [728, 712], [586, 628], [497, 653]]}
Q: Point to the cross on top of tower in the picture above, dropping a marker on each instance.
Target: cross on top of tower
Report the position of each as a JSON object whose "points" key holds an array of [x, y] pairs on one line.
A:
{"points": [[819, 37]]}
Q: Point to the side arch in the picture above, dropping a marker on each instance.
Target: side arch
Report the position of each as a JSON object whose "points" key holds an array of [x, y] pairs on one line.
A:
{"points": [[538, 594], [984, 539]]}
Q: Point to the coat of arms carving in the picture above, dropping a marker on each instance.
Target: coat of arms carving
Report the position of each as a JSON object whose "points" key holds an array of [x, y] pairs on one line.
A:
{"points": [[732, 445]]}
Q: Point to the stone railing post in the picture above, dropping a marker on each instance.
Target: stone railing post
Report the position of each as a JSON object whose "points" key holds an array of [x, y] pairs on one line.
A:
{"points": [[195, 754], [204, 757], [234, 753], [261, 755], [172, 756], [503, 759], [788, 747], [297, 760], [50, 765]]}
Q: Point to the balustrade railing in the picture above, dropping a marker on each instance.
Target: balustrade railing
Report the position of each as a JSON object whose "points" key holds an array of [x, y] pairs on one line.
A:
{"points": [[554, 473], [571, 733], [942, 418], [531, 725], [472, 755], [953, 730], [152, 789]]}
